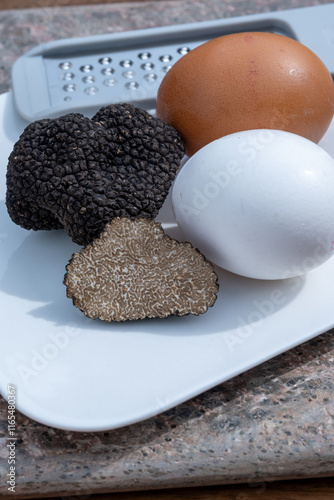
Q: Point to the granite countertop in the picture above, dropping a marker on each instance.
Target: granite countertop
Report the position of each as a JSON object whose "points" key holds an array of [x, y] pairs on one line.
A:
{"points": [[272, 422]]}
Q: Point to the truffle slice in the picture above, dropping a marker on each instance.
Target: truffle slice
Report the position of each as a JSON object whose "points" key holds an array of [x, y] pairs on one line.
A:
{"points": [[79, 173], [135, 271]]}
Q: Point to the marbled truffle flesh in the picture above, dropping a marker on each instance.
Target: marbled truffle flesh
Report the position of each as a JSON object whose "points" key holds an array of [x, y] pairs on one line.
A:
{"points": [[78, 173], [135, 271]]}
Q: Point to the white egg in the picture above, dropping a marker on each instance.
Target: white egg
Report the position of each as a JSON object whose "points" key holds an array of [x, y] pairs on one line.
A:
{"points": [[259, 203]]}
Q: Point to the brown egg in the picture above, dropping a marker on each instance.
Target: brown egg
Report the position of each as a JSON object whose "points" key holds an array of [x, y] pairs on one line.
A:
{"points": [[247, 81]]}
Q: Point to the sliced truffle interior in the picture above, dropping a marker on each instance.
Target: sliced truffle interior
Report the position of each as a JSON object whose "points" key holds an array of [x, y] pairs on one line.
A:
{"points": [[135, 271]]}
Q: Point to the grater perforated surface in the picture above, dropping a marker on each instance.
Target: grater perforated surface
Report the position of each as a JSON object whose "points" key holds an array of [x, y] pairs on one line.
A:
{"points": [[132, 75]]}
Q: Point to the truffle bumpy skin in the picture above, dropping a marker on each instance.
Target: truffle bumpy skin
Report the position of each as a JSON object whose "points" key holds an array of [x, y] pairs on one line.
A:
{"points": [[135, 271], [77, 173]]}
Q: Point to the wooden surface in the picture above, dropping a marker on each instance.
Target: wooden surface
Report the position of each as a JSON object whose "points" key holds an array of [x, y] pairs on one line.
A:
{"points": [[288, 490], [309, 489]]}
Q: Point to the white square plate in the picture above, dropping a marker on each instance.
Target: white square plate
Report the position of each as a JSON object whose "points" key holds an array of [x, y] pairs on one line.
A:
{"points": [[74, 373]]}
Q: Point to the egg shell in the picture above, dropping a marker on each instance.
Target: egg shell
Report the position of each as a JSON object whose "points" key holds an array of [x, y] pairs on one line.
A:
{"points": [[259, 203], [246, 81]]}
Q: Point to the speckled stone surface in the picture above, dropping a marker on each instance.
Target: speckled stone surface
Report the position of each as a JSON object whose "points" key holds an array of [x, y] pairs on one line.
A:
{"points": [[273, 422]]}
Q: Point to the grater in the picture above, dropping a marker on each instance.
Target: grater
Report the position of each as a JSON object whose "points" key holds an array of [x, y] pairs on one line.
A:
{"points": [[86, 73]]}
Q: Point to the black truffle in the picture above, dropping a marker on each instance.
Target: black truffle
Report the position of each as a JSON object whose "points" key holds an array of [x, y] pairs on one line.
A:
{"points": [[79, 173], [135, 271]]}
